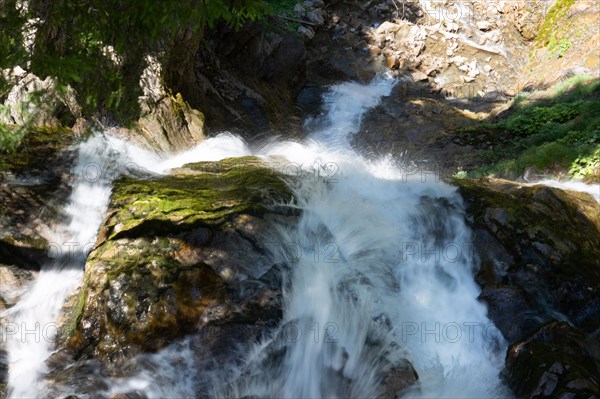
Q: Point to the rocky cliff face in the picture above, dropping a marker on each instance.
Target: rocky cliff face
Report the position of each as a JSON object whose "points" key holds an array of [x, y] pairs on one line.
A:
{"points": [[248, 80], [460, 65], [565, 44]]}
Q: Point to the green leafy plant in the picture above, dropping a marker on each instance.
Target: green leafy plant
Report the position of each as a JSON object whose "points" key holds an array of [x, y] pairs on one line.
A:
{"points": [[561, 133]]}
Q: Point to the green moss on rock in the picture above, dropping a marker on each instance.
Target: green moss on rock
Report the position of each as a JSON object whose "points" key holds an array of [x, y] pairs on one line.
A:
{"points": [[554, 15], [167, 253], [201, 194]]}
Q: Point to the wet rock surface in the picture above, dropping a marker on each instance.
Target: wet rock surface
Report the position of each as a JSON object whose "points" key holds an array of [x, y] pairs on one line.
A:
{"points": [[539, 249], [179, 254], [556, 361], [14, 281], [394, 380], [546, 247], [34, 184]]}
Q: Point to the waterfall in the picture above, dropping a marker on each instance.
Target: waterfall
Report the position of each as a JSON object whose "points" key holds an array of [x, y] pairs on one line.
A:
{"points": [[32, 327], [385, 273], [384, 276]]}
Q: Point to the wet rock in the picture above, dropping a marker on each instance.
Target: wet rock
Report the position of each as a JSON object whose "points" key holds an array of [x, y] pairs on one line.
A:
{"points": [[397, 380], [551, 267], [511, 312], [33, 188], [554, 361], [3, 373], [13, 283]]}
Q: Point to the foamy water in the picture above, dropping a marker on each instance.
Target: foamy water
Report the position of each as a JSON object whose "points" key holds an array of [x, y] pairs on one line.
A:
{"points": [[385, 274]]}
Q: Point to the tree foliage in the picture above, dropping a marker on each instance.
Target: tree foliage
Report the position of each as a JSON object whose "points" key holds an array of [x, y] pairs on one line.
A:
{"points": [[98, 46]]}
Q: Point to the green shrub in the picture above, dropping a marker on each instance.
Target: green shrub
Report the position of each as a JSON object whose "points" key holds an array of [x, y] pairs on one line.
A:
{"points": [[98, 47], [561, 133]]}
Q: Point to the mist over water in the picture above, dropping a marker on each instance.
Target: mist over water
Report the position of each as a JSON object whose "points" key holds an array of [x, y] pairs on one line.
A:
{"points": [[385, 275]]}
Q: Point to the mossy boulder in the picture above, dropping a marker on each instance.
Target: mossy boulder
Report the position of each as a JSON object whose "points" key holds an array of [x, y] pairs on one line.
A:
{"points": [[542, 241], [180, 254], [539, 249]]}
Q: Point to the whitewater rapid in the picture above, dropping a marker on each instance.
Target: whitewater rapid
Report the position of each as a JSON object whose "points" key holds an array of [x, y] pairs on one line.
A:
{"points": [[385, 274]]}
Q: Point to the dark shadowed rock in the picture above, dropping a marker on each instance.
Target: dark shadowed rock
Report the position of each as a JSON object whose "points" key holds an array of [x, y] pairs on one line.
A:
{"points": [[511, 311], [555, 361], [539, 249], [542, 244], [248, 79]]}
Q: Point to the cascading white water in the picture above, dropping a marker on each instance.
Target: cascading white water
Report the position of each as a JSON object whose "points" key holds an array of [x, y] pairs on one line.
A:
{"points": [[31, 330], [573, 185], [385, 274], [32, 325]]}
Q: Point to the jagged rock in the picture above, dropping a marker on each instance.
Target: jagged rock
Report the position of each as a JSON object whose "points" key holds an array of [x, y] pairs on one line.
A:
{"points": [[528, 16], [307, 32], [248, 78], [397, 380], [391, 61], [33, 188], [315, 17], [13, 282], [172, 125], [313, 3], [451, 26], [484, 25], [387, 27], [167, 123], [419, 76]]}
